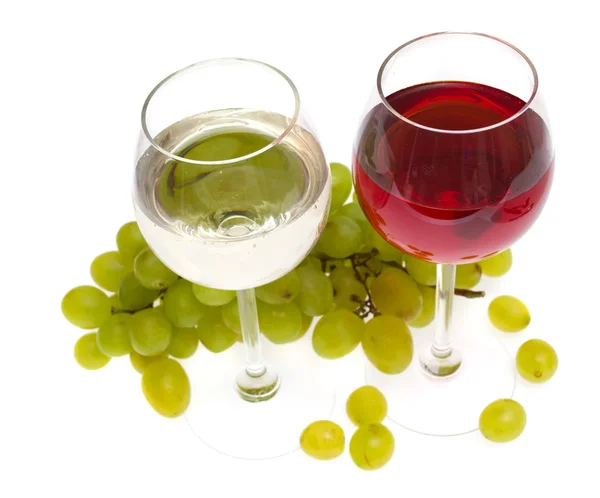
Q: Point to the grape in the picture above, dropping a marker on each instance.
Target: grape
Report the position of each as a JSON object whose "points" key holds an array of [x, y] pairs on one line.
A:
{"points": [[115, 304], [151, 272], [387, 344], [385, 250], [184, 342], [427, 311], [130, 240], [467, 275], [394, 292], [281, 291], [537, 361], [341, 238], [312, 262], [212, 297], [214, 334], [316, 291], [337, 334], [374, 266], [114, 335], [140, 362], [323, 440], [150, 332], [423, 272], [354, 211], [306, 323], [133, 295], [366, 405], [166, 387], [502, 421], [280, 323], [372, 446], [86, 307], [181, 306], [497, 265], [508, 314], [109, 269], [231, 316], [87, 353], [341, 185], [346, 289]]}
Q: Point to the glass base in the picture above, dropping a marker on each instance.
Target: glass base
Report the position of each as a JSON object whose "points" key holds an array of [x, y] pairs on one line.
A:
{"points": [[266, 423], [447, 405]]}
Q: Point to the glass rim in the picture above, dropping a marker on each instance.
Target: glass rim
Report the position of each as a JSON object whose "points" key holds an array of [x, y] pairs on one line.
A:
{"points": [[207, 62], [523, 109]]}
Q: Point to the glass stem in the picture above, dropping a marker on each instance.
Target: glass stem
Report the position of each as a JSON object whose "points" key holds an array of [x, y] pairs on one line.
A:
{"points": [[444, 297], [255, 364]]}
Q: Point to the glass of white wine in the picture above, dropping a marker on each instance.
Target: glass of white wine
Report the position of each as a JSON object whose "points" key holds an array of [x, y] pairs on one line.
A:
{"points": [[231, 191]]}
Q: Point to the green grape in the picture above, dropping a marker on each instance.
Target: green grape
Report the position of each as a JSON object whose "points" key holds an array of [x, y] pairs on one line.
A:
{"points": [[115, 304], [372, 267], [280, 323], [537, 361], [366, 405], [109, 269], [281, 291], [354, 211], [87, 353], [372, 446], [497, 265], [140, 362], [212, 297], [385, 250], [184, 342], [130, 240], [346, 289], [341, 185], [150, 332], [502, 421], [166, 387], [427, 311], [394, 292], [181, 306], [306, 323], [467, 275], [341, 238], [86, 307], [424, 272], [316, 292], [214, 334], [509, 314], [337, 334], [312, 262], [230, 314], [114, 335], [323, 440], [151, 272], [387, 344], [133, 295]]}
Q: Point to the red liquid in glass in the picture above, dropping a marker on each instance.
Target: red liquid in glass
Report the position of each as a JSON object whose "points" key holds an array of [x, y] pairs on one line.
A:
{"points": [[453, 198]]}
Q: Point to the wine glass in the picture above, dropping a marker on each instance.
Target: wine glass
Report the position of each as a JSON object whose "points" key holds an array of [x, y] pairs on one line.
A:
{"points": [[231, 192], [453, 163]]}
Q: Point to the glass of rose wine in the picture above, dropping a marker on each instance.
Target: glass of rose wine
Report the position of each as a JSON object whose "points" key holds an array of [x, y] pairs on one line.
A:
{"points": [[453, 163], [231, 191]]}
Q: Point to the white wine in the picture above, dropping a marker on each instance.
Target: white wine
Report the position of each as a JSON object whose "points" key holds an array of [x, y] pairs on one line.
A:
{"points": [[240, 224]]}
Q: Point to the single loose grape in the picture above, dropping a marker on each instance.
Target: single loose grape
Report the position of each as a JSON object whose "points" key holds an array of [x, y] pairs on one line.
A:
{"points": [[230, 313], [337, 334], [394, 292], [130, 240], [87, 353], [423, 272], [184, 342], [214, 334], [366, 405], [140, 362], [150, 332], [341, 185], [166, 387], [341, 238], [114, 335], [323, 440], [467, 275], [280, 323], [508, 314], [347, 291], [427, 311], [133, 295], [109, 269], [86, 307], [151, 272], [306, 323], [387, 343], [281, 291], [316, 292], [497, 265], [502, 421], [537, 361], [181, 306], [372, 446]]}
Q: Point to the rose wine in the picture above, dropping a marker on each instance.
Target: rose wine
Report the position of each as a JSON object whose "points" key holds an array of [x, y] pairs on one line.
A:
{"points": [[240, 224], [441, 192]]}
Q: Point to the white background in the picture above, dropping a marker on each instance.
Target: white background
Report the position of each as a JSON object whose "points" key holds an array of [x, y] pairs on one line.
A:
{"points": [[73, 79]]}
